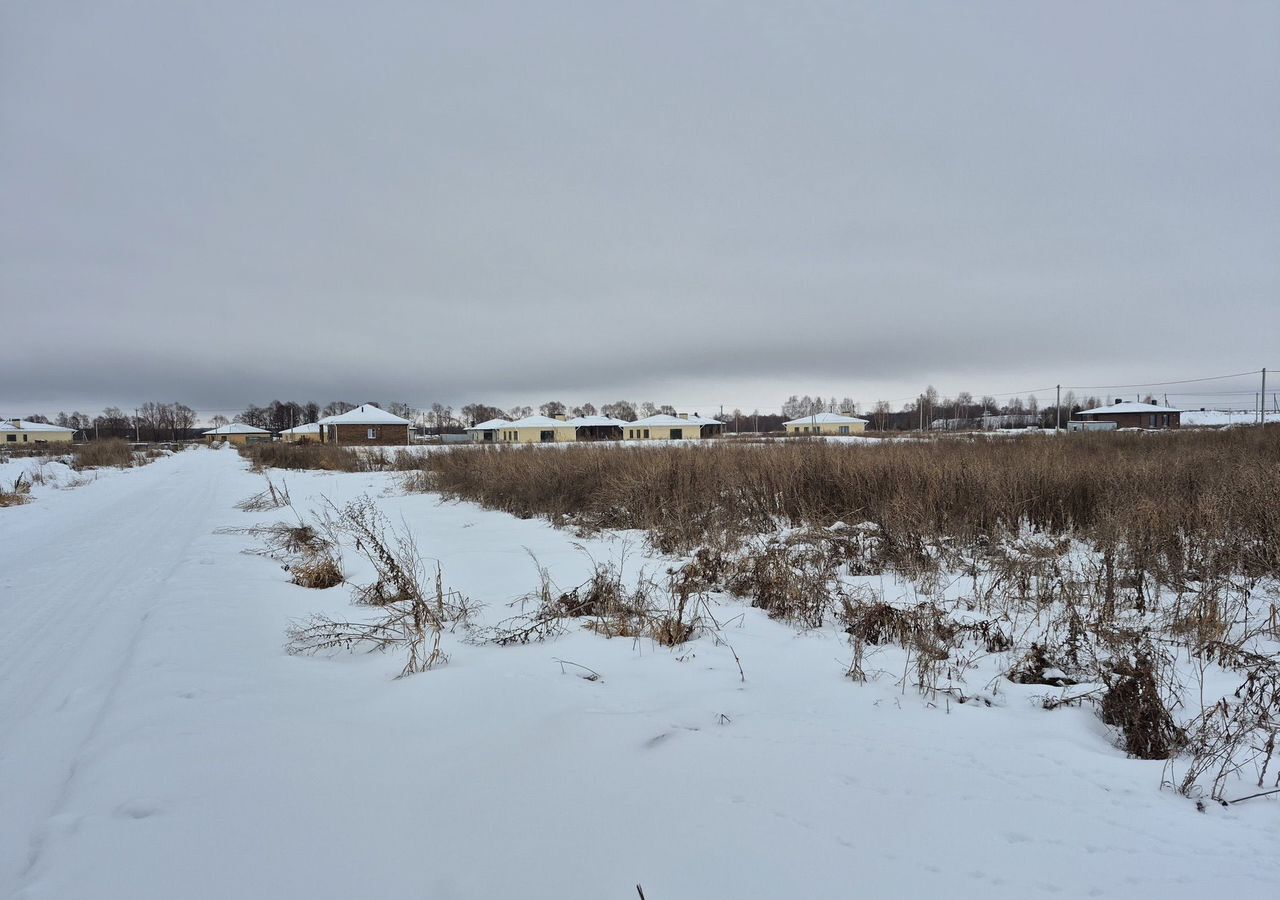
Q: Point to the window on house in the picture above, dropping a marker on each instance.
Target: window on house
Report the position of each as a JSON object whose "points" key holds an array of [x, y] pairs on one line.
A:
{"points": [[676, 433], [547, 436], [373, 434], [844, 429], [646, 432], [11, 437]]}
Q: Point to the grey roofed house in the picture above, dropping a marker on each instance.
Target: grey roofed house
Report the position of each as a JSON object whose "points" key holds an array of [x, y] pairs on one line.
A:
{"points": [[1134, 414]]}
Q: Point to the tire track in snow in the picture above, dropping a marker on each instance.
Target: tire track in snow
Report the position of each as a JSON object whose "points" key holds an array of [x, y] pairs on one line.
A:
{"points": [[86, 579]]}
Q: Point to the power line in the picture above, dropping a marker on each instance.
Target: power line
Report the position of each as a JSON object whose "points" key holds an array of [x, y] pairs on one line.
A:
{"points": [[1098, 387]]}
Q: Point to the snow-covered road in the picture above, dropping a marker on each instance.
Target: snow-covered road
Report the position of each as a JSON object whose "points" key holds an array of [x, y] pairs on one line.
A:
{"points": [[81, 572], [157, 743]]}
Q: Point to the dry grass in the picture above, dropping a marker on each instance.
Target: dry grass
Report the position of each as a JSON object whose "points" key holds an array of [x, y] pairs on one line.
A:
{"points": [[325, 457], [100, 454], [1167, 499], [16, 494], [1102, 567]]}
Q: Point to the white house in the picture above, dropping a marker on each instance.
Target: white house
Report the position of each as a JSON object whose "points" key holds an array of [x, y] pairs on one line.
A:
{"points": [[307, 432], [20, 431], [237, 433], [826, 423], [683, 427], [487, 432]]}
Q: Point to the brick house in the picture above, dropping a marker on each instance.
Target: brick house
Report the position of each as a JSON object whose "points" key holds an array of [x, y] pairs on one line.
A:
{"points": [[364, 426], [1134, 415]]}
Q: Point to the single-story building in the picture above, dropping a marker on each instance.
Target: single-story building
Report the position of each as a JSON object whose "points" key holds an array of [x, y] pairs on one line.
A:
{"points": [[20, 431], [598, 428], [662, 427], [487, 432], [308, 433], [1132, 414], [365, 426], [537, 430], [237, 433], [1090, 425], [826, 423]]}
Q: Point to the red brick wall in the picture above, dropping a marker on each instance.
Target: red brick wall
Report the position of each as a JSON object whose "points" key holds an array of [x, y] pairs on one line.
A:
{"points": [[358, 435]]}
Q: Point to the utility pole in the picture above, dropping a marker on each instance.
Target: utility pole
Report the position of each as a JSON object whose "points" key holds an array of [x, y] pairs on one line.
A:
{"points": [[1057, 412], [137, 431], [1262, 399]]}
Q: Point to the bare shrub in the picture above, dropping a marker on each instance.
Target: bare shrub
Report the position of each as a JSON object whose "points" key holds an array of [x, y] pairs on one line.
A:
{"points": [[791, 578], [1237, 731], [413, 613], [1133, 704], [606, 604], [270, 497], [309, 553]]}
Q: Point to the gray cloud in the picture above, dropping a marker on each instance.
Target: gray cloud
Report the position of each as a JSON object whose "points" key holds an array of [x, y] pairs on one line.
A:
{"points": [[225, 203]]}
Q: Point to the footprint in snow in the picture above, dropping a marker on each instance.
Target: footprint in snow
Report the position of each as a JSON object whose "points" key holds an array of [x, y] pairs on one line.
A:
{"points": [[138, 809]]}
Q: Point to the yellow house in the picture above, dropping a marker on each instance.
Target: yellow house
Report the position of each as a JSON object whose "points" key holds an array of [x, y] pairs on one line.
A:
{"points": [[309, 432], [487, 432], [537, 430], [20, 431], [237, 433], [662, 427], [826, 423]]}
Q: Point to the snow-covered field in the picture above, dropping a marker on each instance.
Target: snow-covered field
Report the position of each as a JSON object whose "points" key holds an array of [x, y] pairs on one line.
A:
{"points": [[157, 742], [1215, 417]]}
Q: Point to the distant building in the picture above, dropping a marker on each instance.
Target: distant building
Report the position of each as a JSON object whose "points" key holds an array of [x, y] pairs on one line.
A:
{"points": [[364, 426], [237, 433], [683, 427], [1090, 425], [996, 421], [537, 430], [1133, 415], [301, 433], [20, 431], [487, 432], [598, 428], [826, 423]]}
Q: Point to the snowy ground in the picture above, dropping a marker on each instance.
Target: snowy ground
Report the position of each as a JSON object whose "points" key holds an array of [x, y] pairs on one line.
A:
{"points": [[1216, 417], [156, 741]]}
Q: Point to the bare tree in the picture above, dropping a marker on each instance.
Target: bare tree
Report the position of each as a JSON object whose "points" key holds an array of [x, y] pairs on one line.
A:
{"points": [[337, 408], [475, 413], [620, 409], [881, 414], [552, 408]]}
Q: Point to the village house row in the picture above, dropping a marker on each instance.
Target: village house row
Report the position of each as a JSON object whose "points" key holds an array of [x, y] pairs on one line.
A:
{"points": [[368, 425]]}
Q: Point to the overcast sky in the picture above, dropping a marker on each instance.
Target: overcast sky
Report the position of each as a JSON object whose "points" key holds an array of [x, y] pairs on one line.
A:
{"points": [[696, 203]]}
